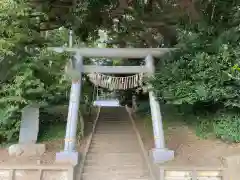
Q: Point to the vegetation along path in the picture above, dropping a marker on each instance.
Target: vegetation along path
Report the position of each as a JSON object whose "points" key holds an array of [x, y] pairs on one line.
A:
{"points": [[115, 153]]}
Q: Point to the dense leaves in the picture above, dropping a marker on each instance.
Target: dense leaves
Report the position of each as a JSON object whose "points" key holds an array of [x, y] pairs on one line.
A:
{"points": [[29, 73], [203, 72], [35, 80], [200, 71]]}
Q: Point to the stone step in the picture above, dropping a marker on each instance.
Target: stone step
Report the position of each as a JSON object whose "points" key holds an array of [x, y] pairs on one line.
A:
{"points": [[114, 153], [112, 113], [106, 122], [113, 142], [114, 116], [118, 127], [136, 167], [101, 138], [112, 136], [117, 132], [104, 150], [115, 126], [115, 135], [112, 121], [103, 122], [113, 129], [109, 148], [112, 109], [109, 133], [120, 117], [90, 162], [131, 171], [115, 178], [114, 159], [141, 164], [114, 150], [104, 175], [117, 141]]}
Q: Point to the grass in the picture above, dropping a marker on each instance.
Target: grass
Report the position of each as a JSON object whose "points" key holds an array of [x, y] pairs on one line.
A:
{"points": [[52, 132], [54, 126], [55, 130], [202, 125], [46, 133]]}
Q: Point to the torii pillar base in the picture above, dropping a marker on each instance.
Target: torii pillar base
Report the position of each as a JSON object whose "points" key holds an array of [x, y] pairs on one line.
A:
{"points": [[161, 155], [68, 157]]}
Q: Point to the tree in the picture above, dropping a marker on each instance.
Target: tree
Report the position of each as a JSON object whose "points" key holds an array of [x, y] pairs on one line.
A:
{"points": [[202, 72], [198, 71], [29, 72]]}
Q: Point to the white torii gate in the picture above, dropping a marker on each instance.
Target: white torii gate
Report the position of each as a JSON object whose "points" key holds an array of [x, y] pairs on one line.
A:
{"points": [[160, 153]]}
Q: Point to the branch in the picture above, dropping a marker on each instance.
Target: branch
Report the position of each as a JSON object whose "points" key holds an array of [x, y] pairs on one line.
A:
{"points": [[189, 6], [149, 6], [120, 9], [48, 28]]}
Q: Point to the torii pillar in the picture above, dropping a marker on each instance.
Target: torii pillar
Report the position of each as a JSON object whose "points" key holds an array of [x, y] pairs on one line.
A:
{"points": [[70, 154], [160, 153]]}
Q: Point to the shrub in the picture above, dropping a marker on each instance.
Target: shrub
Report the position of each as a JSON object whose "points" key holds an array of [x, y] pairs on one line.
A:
{"points": [[227, 127]]}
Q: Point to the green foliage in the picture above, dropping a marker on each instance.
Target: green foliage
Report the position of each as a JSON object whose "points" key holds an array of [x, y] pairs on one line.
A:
{"points": [[16, 48], [37, 80], [144, 108], [19, 35], [227, 127], [29, 73], [200, 71], [52, 132], [204, 127], [204, 73], [223, 125]]}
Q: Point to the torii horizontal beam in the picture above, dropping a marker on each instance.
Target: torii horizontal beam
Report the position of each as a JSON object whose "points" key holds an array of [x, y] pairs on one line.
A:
{"points": [[115, 69], [115, 52]]}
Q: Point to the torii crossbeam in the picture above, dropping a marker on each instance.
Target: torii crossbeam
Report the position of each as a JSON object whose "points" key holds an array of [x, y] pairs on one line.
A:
{"points": [[115, 52]]}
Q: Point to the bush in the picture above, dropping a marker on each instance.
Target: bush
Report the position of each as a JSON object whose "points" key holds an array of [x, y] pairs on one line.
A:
{"points": [[144, 108], [204, 71], [224, 125], [28, 86], [200, 73], [227, 127]]}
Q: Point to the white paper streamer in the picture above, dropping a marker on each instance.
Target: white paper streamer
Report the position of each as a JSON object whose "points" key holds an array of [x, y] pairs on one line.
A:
{"points": [[116, 83]]}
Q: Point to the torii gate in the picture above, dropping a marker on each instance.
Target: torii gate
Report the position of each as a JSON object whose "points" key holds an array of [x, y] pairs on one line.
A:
{"points": [[160, 153]]}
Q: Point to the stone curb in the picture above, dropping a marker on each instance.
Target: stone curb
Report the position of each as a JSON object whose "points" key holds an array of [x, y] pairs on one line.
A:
{"points": [[144, 152], [89, 141]]}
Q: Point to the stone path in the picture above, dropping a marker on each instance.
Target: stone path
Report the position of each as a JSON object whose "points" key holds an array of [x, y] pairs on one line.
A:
{"points": [[115, 153]]}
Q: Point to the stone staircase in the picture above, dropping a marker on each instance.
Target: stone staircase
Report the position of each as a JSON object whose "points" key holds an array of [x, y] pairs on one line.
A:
{"points": [[115, 153]]}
